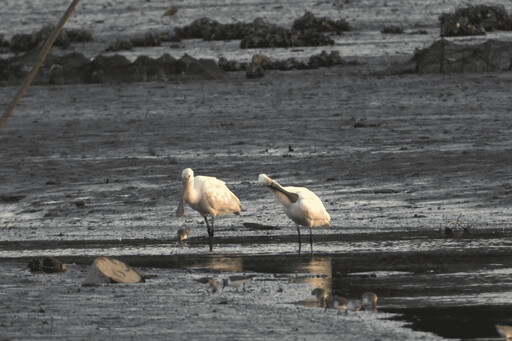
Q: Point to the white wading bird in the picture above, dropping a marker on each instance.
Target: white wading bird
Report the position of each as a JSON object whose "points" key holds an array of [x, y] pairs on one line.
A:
{"points": [[209, 196], [301, 205]]}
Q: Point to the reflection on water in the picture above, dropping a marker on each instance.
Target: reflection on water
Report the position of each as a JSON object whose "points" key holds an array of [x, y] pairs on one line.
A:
{"points": [[320, 266], [228, 264]]}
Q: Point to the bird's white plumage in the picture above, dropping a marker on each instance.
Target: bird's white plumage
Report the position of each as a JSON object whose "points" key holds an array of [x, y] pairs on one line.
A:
{"points": [[208, 195], [307, 211]]}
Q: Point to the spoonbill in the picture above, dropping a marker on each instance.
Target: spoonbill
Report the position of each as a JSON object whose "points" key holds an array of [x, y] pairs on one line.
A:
{"points": [[209, 196], [301, 205]]}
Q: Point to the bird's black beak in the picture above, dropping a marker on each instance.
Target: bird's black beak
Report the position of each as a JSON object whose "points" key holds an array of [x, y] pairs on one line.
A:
{"points": [[293, 197]]}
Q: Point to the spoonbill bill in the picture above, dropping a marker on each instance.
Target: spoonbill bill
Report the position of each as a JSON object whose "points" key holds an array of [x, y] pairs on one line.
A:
{"points": [[209, 196], [301, 205]]}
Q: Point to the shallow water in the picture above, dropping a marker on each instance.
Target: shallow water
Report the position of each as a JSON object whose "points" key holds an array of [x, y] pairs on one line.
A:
{"points": [[423, 277]]}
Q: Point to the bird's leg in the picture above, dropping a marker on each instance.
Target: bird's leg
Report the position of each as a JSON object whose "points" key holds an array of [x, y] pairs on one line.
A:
{"points": [[298, 231], [311, 238], [209, 232], [211, 237]]}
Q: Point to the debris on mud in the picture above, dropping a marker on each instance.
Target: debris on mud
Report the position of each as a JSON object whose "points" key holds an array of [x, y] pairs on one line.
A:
{"points": [[392, 30], [111, 270], [475, 20], [47, 265]]}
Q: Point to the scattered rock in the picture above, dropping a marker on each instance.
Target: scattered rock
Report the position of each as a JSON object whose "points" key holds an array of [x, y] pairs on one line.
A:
{"points": [[309, 22], [111, 270], [445, 57], [280, 37], [27, 42], [325, 60], [307, 31], [392, 30], [120, 45], [47, 265], [148, 40], [254, 71], [9, 199], [261, 60], [475, 20], [231, 66], [4, 45], [170, 11]]}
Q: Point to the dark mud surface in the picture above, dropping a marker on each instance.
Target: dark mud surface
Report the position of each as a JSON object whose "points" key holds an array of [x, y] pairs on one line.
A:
{"points": [[86, 178]]}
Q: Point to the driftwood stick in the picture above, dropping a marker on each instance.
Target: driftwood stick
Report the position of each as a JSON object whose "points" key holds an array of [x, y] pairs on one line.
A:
{"points": [[40, 60]]}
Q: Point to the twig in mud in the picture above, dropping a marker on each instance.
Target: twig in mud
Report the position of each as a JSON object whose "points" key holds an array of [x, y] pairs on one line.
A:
{"points": [[8, 223], [459, 223], [459, 226]]}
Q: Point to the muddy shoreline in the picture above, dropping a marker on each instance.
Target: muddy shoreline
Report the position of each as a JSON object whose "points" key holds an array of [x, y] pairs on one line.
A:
{"points": [[94, 170]]}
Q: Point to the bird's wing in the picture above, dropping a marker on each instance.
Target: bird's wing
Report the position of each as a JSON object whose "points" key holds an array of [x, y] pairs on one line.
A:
{"points": [[218, 194], [312, 207]]}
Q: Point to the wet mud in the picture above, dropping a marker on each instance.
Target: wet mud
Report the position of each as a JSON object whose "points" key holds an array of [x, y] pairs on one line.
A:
{"points": [[94, 170]]}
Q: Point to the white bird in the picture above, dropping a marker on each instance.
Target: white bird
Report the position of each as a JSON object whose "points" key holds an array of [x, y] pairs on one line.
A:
{"points": [[369, 299], [301, 205], [209, 196]]}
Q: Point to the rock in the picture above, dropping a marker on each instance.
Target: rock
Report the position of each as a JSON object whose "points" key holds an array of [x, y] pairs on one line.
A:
{"points": [[120, 45], [230, 66], [170, 11], [146, 69], [261, 60], [281, 37], [325, 60], [4, 45], [47, 265], [148, 40], [23, 43], [75, 68], [475, 20], [111, 270], [257, 34], [309, 22], [254, 71], [27, 42], [392, 30], [198, 69], [108, 69], [445, 57]]}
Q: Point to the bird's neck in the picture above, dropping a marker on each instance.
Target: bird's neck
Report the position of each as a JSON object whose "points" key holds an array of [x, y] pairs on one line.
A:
{"points": [[191, 194]]}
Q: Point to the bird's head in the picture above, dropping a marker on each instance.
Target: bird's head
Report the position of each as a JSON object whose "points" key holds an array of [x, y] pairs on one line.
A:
{"points": [[187, 173], [264, 180]]}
